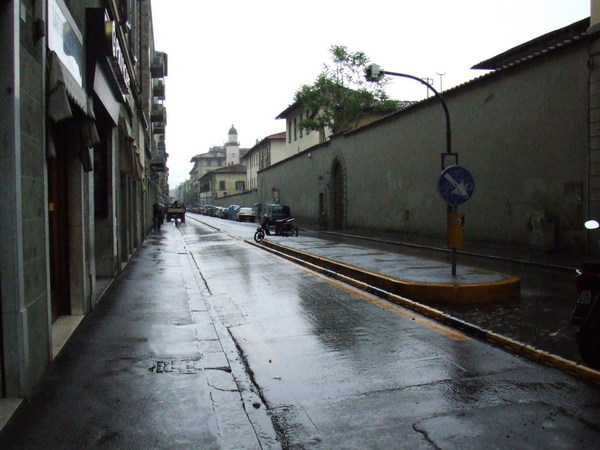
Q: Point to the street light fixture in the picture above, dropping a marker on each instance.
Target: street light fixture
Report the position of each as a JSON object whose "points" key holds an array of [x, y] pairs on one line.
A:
{"points": [[375, 73]]}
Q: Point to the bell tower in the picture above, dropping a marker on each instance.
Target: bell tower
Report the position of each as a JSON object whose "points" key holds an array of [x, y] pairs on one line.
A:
{"points": [[232, 147]]}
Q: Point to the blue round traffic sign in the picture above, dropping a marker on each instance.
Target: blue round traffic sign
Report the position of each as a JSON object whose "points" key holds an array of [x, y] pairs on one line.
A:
{"points": [[456, 185]]}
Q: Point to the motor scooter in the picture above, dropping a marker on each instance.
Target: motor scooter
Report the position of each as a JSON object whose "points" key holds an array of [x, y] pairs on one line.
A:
{"points": [[283, 227], [587, 309]]}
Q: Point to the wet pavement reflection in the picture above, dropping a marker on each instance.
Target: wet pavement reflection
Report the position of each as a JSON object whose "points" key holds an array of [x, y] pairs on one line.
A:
{"points": [[540, 317], [339, 370]]}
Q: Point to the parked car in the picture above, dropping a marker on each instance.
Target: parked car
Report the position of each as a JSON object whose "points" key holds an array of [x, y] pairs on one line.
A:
{"points": [[245, 214], [274, 211], [221, 212]]}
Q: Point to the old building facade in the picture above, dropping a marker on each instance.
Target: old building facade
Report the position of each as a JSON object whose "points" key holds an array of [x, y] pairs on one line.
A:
{"points": [[298, 139], [221, 183], [224, 161], [268, 151], [82, 160]]}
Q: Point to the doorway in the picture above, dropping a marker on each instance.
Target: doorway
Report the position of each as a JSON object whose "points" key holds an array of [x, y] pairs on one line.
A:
{"points": [[339, 195], [58, 219]]}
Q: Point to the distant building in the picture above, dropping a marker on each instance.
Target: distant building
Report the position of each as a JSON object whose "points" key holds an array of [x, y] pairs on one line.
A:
{"points": [[217, 157], [270, 150], [232, 147], [222, 182], [297, 139], [205, 162]]}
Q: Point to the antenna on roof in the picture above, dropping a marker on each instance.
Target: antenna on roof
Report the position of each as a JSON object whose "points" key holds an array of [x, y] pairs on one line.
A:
{"points": [[427, 80], [441, 74]]}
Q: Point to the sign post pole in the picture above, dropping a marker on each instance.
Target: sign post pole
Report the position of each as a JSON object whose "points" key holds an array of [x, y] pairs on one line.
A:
{"points": [[455, 185]]}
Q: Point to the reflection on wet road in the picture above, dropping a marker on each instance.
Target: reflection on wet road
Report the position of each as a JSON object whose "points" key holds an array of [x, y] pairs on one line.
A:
{"points": [[341, 369]]}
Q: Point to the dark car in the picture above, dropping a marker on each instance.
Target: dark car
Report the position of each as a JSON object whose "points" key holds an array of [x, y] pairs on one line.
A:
{"points": [[274, 211]]}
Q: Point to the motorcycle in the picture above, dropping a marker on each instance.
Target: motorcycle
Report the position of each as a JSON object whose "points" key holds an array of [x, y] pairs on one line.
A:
{"points": [[283, 227], [587, 309]]}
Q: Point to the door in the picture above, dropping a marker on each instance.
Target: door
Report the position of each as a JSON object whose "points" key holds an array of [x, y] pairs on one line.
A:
{"points": [[58, 219], [339, 196]]}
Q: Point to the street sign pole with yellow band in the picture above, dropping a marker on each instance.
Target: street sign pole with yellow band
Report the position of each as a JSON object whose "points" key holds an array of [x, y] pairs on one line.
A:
{"points": [[455, 185]]}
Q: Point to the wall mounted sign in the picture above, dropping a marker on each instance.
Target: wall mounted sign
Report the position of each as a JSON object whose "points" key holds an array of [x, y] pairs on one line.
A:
{"points": [[65, 39], [116, 58]]}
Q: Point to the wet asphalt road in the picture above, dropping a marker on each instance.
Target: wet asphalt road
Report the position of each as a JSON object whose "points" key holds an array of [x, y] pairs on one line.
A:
{"points": [[540, 317], [339, 368], [208, 342]]}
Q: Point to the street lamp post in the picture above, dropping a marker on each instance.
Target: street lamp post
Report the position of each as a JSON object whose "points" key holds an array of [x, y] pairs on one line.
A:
{"points": [[375, 73]]}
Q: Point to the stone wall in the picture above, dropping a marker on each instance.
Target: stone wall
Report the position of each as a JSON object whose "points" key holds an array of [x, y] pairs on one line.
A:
{"points": [[522, 133]]}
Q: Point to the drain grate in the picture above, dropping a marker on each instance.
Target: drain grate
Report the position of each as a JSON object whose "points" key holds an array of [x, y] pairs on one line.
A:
{"points": [[175, 366]]}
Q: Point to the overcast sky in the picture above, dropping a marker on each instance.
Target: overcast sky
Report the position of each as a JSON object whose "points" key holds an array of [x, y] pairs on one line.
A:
{"points": [[239, 62]]}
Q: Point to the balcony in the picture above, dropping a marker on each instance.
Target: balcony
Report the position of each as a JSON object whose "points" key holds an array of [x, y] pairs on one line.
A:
{"points": [[159, 66], [159, 127], [158, 164], [159, 113], [158, 88]]}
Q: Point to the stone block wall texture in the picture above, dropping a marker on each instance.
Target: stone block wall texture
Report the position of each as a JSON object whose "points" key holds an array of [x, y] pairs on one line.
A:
{"points": [[521, 132]]}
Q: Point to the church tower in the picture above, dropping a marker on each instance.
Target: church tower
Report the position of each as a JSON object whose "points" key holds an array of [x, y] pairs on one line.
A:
{"points": [[232, 147]]}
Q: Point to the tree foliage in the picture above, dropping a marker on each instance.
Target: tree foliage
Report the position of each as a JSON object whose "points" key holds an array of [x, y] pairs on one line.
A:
{"points": [[341, 96]]}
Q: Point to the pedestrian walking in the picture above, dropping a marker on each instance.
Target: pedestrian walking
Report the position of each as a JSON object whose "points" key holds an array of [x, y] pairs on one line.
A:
{"points": [[158, 215]]}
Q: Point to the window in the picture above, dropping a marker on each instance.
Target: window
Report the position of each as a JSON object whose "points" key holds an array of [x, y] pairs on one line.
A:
{"points": [[295, 129], [240, 185], [299, 123], [222, 185], [289, 131]]}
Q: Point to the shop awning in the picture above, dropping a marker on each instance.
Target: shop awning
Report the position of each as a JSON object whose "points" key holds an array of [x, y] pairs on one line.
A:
{"points": [[62, 87]]}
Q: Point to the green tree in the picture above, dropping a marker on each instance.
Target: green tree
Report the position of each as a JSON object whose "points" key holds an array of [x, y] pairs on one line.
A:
{"points": [[340, 96]]}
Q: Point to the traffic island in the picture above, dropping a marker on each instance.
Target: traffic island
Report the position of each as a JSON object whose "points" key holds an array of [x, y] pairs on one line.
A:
{"points": [[427, 283]]}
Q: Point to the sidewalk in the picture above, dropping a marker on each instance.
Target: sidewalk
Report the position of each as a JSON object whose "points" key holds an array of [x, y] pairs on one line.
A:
{"points": [[147, 368], [516, 254]]}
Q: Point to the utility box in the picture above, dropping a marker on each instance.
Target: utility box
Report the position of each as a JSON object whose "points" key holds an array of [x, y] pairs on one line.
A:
{"points": [[456, 230], [542, 230]]}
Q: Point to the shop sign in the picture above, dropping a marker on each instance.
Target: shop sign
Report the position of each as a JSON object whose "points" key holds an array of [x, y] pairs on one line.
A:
{"points": [[65, 39], [116, 58]]}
